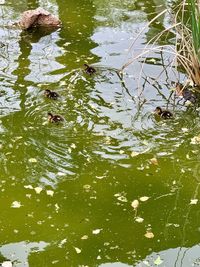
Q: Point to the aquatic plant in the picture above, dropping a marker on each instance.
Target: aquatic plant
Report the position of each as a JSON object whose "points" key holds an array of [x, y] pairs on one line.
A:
{"points": [[185, 53]]}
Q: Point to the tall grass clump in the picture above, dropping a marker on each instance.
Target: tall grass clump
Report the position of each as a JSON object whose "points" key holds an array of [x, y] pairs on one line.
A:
{"points": [[185, 52]]}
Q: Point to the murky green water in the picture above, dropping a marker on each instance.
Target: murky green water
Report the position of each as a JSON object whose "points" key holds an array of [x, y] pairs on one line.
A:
{"points": [[91, 168]]}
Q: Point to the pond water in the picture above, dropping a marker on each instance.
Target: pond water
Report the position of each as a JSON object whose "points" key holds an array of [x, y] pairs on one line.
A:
{"points": [[67, 191]]}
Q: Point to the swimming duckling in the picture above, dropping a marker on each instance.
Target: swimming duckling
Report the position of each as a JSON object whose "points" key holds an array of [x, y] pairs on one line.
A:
{"points": [[54, 118], [165, 114], [89, 70], [50, 94], [186, 93]]}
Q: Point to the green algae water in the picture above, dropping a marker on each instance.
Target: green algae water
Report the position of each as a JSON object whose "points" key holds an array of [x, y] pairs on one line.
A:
{"points": [[111, 186]]}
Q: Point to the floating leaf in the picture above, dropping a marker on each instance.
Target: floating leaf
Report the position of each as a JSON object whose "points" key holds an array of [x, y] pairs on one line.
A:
{"points": [[84, 237], [96, 231], [195, 140], [135, 204], [149, 234], [193, 201], [16, 204], [139, 219], [78, 250], [158, 261], [61, 174], [143, 199], [122, 199], [38, 189], [6, 264], [28, 186], [32, 160], [50, 192], [154, 161], [73, 146], [134, 154]]}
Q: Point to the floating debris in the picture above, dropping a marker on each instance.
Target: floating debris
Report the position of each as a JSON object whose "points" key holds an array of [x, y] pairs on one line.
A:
{"points": [[16, 204], [135, 204], [96, 231], [149, 235], [194, 201], [38, 17]]}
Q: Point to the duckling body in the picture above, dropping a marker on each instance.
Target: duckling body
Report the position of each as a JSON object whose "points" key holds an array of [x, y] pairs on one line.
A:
{"points": [[165, 114], [186, 93], [54, 118], [89, 70], [50, 94]]}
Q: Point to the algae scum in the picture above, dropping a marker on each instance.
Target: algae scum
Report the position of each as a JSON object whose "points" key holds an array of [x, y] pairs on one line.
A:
{"points": [[111, 186]]}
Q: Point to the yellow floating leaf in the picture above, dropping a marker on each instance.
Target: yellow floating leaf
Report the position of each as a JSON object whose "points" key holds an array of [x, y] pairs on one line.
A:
{"points": [[194, 201], [50, 192], [84, 237], [143, 199], [154, 161], [28, 186], [139, 219], [32, 160], [38, 189], [195, 140], [149, 234], [96, 231], [78, 250], [16, 204], [135, 204], [134, 154]]}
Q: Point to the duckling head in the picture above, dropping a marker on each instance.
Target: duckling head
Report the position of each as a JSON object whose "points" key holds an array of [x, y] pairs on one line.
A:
{"points": [[158, 111], [47, 92], [50, 116]]}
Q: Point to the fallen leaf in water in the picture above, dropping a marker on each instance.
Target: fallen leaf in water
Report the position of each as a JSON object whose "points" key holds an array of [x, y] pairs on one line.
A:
{"points": [[154, 161], [122, 199], [149, 235], [61, 174], [50, 192], [16, 204], [32, 160], [158, 261], [6, 264], [195, 140], [134, 154], [78, 250], [28, 186], [73, 146], [96, 231], [194, 201], [143, 199], [38, 189], [135, 204], [84, 237], [139, 219]]}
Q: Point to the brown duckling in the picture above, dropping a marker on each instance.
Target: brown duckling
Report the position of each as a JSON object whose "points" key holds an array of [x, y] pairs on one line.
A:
{"points": [[50, 94], [165, 114], [186, 93], [89, 70], [54, 118]]}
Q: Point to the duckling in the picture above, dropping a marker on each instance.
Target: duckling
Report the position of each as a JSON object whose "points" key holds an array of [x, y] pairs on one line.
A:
{"points": [[186, 93], [54, 118], [165, 114], [89, 70], [50, 94]]}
